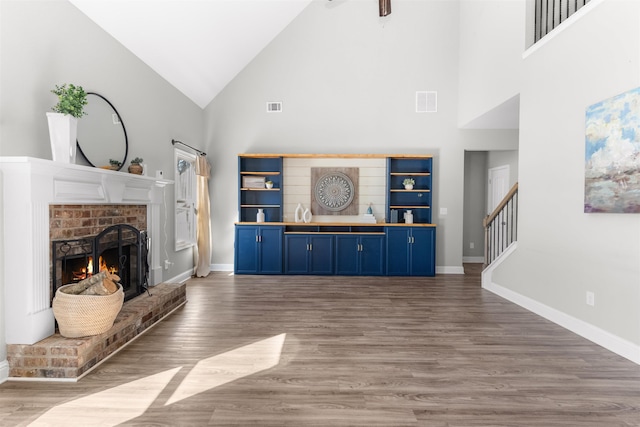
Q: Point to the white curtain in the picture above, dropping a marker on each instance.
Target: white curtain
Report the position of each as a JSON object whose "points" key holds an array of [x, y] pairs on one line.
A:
{"points": [[203, 234]]}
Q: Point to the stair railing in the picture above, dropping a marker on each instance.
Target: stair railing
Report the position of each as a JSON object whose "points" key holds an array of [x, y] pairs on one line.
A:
{"points": [[501, 226]]}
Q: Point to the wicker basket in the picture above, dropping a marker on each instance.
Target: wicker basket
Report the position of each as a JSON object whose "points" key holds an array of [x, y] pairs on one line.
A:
{"points": [[85, 315]]}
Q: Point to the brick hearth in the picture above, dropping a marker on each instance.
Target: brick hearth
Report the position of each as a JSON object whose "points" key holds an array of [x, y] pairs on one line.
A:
{"points": [[66, 359]]}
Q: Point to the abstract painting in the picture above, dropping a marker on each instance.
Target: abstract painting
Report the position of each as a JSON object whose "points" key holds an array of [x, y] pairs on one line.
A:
{"points": [[612, 155]]}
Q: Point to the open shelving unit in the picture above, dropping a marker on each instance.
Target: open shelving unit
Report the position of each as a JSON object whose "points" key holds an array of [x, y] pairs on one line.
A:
{"points": [[253, 195], [418, 199]]}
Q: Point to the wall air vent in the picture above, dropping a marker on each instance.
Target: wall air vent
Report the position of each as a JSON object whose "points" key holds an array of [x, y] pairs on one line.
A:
{"points": [[426, 102], [274, 107]]}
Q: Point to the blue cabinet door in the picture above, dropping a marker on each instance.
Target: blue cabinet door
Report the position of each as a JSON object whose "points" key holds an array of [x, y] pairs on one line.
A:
{"points": [[296, 248], [371, 255], [347, 254], [423, 247], [321, 255], [270, 250], [398, 254], [246, 253]]}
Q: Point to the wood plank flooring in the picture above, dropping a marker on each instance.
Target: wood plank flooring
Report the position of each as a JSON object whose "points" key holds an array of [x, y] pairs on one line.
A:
{"points": [[343, 351]]}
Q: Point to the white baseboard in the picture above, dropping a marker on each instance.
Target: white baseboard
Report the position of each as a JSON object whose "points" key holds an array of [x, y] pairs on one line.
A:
{"points": [[473, 259], [449, 269], [182, 277], [4, 371], [605, 339], [221, 267]]}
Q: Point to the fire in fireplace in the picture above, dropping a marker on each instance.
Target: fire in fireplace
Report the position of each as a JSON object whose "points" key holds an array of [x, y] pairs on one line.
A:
{"points": [[122, 249]]}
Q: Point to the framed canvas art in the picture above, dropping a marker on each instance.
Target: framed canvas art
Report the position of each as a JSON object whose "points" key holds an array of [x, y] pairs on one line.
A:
{"points": [[612, 155]]}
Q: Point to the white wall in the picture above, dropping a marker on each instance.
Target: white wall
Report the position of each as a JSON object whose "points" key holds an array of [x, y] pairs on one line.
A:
{"points": [[347, 79], [562, 252], [492, 39]]}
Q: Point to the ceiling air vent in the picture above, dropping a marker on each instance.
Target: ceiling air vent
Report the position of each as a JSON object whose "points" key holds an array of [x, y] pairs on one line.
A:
{"points": [[426, 102], [274, 107]]}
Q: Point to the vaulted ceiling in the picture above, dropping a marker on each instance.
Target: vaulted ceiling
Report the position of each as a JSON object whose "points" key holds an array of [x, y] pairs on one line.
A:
{"points": [[196, 45]]}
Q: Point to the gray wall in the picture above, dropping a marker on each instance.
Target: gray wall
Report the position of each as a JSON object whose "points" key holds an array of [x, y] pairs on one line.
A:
{"points": [[347, 80], [50, 42], [562, 252], [475, 202]]}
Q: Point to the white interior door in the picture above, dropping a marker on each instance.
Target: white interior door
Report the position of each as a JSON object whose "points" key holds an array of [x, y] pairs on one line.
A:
{"points": [[498, 186]]}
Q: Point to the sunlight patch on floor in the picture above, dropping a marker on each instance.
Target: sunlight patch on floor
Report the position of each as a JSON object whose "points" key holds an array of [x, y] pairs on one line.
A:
{"points": [[128, 401], [232, 365], [110, 407]]}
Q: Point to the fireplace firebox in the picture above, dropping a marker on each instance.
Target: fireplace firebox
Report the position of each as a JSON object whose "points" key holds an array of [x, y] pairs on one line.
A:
{"points": [[121, 249]]}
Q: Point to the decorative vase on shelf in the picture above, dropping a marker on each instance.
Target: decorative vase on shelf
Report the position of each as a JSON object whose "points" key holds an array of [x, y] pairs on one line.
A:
{"points": [[63, 131], [408, 217], [268, 185], [135, 168], [260, 216], [408, 187], [306, 216], [299, 213]]}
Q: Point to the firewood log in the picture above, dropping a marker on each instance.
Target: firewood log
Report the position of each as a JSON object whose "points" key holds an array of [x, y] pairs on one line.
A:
{"points": [[82, 285], [99, 288], [110, 285]]}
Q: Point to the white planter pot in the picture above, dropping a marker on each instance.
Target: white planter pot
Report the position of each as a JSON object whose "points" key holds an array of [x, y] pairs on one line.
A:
{"points": [[63, 131]]}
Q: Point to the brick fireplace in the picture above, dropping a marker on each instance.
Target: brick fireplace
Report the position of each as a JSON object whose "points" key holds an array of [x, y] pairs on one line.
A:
{"points": [[38, 198], [45, 201], [88, 238]]}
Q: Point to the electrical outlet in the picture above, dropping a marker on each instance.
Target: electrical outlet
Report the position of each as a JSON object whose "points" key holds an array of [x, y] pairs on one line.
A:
{"points": [[472, 245], [167, 264], [591, 298]]}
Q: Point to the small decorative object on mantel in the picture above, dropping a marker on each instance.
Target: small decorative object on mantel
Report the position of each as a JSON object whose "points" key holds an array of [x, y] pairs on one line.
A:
{"points": [[63, 122], [88, 307], [136, 166], [408, 183], [115, 164]]}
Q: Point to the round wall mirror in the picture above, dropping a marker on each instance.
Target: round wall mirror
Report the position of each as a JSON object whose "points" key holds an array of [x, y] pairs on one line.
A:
{"points": [[101, 133]]}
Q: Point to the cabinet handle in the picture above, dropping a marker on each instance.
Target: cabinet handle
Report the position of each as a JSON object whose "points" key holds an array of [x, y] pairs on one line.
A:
{"points": [[310, 246], [257, 238], [413, 240]]}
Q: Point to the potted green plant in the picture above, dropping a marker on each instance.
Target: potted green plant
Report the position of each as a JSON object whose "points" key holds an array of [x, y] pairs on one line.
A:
{"points": [[63, 122], [408, 183], [268, 184], [136, 166], [115, 164]]}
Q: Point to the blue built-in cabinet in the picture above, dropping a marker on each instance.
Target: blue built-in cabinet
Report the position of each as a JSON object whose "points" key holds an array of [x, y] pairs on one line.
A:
{"points": [[394, 247], [411, 251], [360, 254], [258, 249], [309, 254]]}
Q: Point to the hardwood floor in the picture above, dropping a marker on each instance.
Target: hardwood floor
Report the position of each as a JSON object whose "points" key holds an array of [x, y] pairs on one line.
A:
{"points": [[343, 351]]}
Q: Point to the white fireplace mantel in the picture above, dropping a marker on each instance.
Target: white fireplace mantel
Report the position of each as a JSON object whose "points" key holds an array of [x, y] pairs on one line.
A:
{"points": [[30, 185]]}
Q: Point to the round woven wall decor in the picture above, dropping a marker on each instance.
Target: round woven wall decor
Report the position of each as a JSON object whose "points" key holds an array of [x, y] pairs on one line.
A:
{"points": [[334, 191]]}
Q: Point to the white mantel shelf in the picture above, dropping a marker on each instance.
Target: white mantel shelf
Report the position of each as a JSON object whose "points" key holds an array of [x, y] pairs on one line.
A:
{"points": [[29, 186]]}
